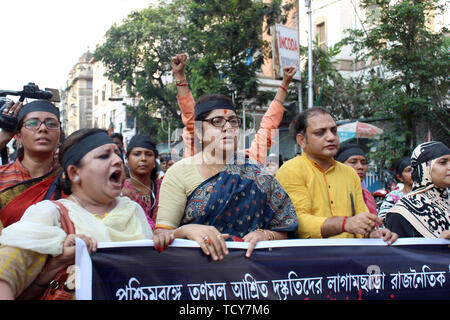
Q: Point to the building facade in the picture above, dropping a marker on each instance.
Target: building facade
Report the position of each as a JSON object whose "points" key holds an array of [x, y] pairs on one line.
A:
{"points": [[109, 101], [77, 96]]}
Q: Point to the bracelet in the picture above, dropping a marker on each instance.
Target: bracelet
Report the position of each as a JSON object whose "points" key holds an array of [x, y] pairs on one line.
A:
{"points": [[343, 224], [285, 89], [182, 84], [180, 81], [267, 233]]}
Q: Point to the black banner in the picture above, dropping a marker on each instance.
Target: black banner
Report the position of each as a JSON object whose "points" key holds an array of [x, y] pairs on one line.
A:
{"points": [[291, 270]]}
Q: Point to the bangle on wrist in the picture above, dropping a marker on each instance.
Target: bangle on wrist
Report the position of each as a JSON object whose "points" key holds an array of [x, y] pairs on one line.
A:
{"points": [[343, 224], [285, 89], [180, 81], [267, 233], [182, 84]]}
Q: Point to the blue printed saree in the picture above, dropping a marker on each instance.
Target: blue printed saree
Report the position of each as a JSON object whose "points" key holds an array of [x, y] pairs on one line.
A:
{"points": [[240, 199]]}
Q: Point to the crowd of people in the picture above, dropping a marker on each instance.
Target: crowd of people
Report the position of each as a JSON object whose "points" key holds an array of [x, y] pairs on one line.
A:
{"points": [[215, 194]]}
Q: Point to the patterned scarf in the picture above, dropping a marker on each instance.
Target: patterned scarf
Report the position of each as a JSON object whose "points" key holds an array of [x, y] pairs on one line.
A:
{"points": [[240, 199], [426, 207]]}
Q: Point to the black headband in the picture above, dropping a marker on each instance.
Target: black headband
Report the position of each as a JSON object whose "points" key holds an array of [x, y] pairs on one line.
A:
{"points": [[403, 163], [140, 141], [213, 104], [352, 151], [37, 105], [76, 152]]}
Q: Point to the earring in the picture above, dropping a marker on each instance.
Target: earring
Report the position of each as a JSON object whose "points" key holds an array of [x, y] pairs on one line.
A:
{"points": [[76, 179]]}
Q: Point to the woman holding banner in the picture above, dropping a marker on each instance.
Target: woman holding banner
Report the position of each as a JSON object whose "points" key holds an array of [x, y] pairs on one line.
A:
{"points": [[219, 194], [93, 178]]}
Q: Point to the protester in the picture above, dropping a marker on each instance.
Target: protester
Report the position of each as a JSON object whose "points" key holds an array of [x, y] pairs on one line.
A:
{"points": [[218, 194], [166, 162], [93, 177], [352, 155], [403, 174], [27, 180], [425, 211], [327, 194], [118, 140], [270, 122], [143, 184]]}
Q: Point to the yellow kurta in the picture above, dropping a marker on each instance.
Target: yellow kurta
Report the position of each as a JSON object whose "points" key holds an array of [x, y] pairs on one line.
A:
{"points": [[318, 195]]}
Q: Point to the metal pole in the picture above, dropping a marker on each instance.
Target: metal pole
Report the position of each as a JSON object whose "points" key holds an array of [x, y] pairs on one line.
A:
{"points": [[168, 135], [300, 104], [310, 56], [299, 83]]}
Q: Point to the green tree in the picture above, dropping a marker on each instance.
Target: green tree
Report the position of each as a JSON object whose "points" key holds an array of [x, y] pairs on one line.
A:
{"points": [[226, 44], [223, 40], [137, 54], [414, 59]]}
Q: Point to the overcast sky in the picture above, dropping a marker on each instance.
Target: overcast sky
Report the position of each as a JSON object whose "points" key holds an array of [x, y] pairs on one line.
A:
{"points": [[41, 40]]}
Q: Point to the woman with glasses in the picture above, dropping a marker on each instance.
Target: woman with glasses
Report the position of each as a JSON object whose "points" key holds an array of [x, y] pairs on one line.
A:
{"points": [[269, 124], [27, 180], [219, 194]]}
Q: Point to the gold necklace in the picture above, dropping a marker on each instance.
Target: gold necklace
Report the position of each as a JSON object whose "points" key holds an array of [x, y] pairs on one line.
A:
{"points": [[136, 180]]}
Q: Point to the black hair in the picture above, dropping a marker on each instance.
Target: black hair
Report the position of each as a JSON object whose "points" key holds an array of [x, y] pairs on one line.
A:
{"points": [[117, 135], [300, 122]]}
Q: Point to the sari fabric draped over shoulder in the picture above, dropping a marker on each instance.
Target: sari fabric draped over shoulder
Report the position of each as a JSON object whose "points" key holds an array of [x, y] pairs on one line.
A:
{"points": [[240, 199]]}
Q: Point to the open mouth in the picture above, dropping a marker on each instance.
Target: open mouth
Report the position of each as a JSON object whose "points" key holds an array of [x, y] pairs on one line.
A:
{"points": [[116, 177]]}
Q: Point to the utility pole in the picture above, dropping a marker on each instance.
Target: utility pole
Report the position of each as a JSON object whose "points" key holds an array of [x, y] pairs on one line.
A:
{"points": [[299, 83], [310, 56]]}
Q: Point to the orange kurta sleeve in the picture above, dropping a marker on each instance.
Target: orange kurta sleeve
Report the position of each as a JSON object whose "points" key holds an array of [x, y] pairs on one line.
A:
{"points": [[267, 132], [187, 104]]}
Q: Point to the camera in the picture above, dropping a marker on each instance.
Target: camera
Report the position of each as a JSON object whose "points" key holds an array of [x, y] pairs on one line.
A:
{"points": [[32, 91]]}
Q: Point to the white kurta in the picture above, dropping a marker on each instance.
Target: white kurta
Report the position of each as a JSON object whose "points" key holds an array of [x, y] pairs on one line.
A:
{"points": [[40, 229]]}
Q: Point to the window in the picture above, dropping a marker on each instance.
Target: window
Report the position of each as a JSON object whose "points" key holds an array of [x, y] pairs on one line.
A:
{"points": [[321, 35]]}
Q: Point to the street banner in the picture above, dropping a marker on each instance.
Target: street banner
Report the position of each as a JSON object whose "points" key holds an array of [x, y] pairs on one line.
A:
{"points": [[328, 269], [287, 48]]}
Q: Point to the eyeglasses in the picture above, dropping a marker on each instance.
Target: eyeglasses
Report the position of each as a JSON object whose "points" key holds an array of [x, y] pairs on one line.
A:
{"points": [[220, 122], [35, 124]]}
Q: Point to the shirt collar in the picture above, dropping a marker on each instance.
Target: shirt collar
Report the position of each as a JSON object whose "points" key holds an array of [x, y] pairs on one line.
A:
{"points": [[333, 164]]}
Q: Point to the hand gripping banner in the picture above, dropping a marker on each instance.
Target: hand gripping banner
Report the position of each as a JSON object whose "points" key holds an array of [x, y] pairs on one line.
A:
{"points": [[278, 270]]}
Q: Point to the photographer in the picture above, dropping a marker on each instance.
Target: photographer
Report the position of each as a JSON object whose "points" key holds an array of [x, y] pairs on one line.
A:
{"points": [[27, 180], [10, 109]]}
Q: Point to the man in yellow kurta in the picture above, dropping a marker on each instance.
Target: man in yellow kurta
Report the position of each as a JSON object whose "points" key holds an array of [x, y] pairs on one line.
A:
{"points": [[326, 194]]}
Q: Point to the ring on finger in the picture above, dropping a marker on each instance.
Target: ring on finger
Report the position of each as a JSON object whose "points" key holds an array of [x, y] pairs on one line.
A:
{"points": [[6, 110], [11, 111], [207, 240]]}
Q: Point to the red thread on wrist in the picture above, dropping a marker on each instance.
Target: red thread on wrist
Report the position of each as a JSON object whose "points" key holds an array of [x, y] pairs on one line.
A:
{"points": [[343, 224], [285, 90]]}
